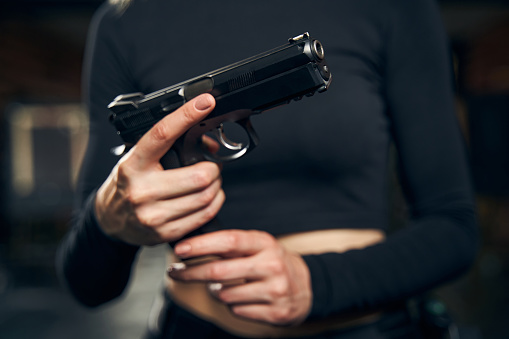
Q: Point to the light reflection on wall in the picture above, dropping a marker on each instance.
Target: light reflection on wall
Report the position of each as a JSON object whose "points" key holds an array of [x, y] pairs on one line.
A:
{"points": [[46, 145]]}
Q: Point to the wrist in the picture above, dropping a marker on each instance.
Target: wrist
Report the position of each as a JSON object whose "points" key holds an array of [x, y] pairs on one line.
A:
{"points": [[320, 287], [99, 212], [306, 296], [93, 231]]}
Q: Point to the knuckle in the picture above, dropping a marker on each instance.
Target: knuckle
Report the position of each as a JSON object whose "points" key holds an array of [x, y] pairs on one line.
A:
{"points": [[187, 114], [281, 315], [224, 297], [279, 289], [237, 309], [206, 197], [123, 173], [133, 196], [220, 199], [232, 241], [216, 271], [207, 215], [275, 266], [202, 178], [171, 232], [144, 218], [160, 131], [265, 238], [128, 196], [209, 212]]}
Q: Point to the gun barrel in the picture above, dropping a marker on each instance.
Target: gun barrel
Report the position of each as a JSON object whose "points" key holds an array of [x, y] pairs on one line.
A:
{"points": [[255, 84]]}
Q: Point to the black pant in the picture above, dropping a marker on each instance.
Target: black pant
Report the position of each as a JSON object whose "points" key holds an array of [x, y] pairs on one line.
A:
{"points": [[177, 323]]}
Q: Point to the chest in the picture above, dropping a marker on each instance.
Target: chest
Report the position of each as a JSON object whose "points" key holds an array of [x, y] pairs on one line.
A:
{"points": [[342, 126]]}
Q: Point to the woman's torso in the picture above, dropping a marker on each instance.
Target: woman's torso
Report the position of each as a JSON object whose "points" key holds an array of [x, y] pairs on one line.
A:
{"points": [[321, 162]]}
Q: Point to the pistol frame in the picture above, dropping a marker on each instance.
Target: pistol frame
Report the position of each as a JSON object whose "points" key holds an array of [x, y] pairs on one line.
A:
{"points": [[247, 87]]}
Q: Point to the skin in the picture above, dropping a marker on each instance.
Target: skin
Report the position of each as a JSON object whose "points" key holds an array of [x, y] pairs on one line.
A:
{"points": [[140, 203], [275, 283]]}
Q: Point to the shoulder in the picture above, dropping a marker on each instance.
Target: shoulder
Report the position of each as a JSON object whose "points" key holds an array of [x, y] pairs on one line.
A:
{"points": [[112, 16], [412, 14], [104, 20], [414, 30]]}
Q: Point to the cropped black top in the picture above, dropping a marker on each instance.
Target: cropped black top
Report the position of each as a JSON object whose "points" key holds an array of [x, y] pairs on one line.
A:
{"points": [[323, 162]]}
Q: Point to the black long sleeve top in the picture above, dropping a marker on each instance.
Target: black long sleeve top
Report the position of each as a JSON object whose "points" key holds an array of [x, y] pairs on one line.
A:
{"points": [[323, 162]]}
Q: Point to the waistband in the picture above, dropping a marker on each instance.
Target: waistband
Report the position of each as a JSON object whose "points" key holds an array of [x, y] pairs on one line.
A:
{"points": [[396, 322], [195, 297]]}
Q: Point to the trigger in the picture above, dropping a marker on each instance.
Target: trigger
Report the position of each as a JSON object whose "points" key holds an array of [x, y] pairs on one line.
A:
{"points": [[225, 141]]}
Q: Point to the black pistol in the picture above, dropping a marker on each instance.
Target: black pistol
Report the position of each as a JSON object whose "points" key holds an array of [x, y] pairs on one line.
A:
{"points": [[247, 87]]}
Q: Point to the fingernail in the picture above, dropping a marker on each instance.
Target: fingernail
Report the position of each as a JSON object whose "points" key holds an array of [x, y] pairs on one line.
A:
{"points": [[182, 249], [215, 287], [175, 267], [202, 103]]}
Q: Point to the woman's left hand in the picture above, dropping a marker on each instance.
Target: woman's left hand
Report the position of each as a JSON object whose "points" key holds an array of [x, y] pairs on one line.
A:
{"points": [[276, 284]]}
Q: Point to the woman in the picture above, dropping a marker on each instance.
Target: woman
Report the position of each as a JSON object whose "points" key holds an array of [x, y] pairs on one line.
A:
{"points": [[304, 232]]}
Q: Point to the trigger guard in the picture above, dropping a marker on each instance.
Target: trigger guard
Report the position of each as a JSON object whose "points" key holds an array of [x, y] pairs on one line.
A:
{"points": [[223, 139], [248, 147]]}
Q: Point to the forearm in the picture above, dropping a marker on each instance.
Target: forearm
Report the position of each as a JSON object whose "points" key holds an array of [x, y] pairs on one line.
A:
{"points": [[94, 267], [430, 251]]}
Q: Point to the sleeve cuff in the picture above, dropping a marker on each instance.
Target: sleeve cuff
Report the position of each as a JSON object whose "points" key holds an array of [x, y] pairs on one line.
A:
{"points": [[96, 235], [320, 285]]}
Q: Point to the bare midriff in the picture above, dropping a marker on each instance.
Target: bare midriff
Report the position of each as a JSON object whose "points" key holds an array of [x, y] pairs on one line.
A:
{"points": [[195, 297]]}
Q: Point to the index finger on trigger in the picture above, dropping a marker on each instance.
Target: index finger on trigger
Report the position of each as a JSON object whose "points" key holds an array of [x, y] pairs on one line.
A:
{"points": [[226, 243], [159, 139]]}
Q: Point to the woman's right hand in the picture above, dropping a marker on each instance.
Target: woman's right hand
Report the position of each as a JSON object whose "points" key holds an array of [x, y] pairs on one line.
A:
{"points": [[142, 204]]}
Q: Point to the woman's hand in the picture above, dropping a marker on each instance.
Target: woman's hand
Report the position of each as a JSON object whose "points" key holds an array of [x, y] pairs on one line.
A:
{"points": [[275, 284], [143, 204]]}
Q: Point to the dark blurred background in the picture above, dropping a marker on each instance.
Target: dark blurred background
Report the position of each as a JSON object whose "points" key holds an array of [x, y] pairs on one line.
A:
{"points": [[44, 129]]}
